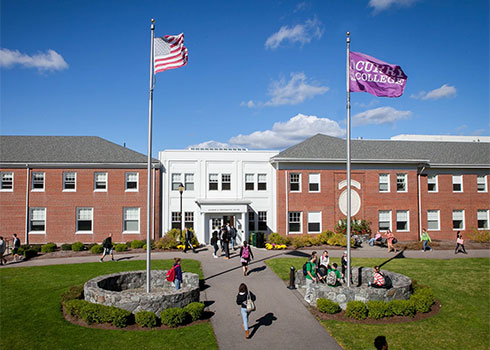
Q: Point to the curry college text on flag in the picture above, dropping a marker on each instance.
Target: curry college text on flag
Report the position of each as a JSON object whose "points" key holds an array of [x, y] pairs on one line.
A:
{"points": [[368, 74], [169, 52]]}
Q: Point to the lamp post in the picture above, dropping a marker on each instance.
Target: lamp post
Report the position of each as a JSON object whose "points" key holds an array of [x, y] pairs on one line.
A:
{"points": [[181, 190]]}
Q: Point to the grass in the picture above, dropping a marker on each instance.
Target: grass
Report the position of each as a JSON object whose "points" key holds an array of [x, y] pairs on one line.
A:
{"points": [[31, 318], [461, 285]]}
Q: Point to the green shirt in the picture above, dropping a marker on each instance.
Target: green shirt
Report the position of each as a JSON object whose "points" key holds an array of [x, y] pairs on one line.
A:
{"points": [[312, 268], [337, 274], [425, 237]]}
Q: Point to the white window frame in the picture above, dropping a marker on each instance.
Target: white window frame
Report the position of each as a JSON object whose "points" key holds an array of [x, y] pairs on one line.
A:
{"points": [[6, 173], [175, 215], [228, 177], [314, 178], [485, 216], [126, 219], [314, 217], [297, 181], [176, 179], [252, 218], [65, 182], [249, 180], [300, 221], [408, 220], [189, 181], [126, 180], [78, 219], [381, 177], [462, 219], [189, 218], [434, 211], [31, 219], [262, 180], [403, 176], [213, 178], [484, 182], [456, 182], [106, 181], [387, 212], [434, 180], [262, 219], [34, 173]]}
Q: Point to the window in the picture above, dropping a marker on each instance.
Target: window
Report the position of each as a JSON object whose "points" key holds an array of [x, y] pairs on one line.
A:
{"points": [[132, 182], [131, 218], [402, 220], [432, 183], [249, 182], [262, 220], [295, 182], [189, 219], [314, 182], [401, 182], [38, 181], [481, 183], [294, 222], [101, 181], [216, 223], [176, 220], [262, 182], [314, 222], [457, 183], [458, 219], [433, 220], [38, 220], [7, 181], [69, 181], [176, 181], [384, 182], [213, 182], [225, 182], [189, 182], [85, 218], [482, 216], [384, 219], [251, 220]]}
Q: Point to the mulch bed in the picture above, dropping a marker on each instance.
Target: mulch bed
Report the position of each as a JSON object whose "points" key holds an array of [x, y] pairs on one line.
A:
{"points": [[435, 309]]}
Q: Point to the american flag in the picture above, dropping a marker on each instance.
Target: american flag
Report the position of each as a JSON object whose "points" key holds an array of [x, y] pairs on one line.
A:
{"points": [[170, 52]]}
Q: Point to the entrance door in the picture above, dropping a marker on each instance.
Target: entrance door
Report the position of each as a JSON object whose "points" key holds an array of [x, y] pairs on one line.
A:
{"points": [[215, 223], [229, 219]]}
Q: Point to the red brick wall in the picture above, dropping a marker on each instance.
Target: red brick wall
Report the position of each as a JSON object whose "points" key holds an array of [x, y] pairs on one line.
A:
{"points": [[61, 206]]}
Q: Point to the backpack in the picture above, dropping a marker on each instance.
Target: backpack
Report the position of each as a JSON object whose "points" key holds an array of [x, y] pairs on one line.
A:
{"points": [[171, 274], [245, 253], [305, 273], [332, 278]]}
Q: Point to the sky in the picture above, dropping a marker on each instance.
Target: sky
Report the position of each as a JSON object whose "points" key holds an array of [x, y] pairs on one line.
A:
{"points": [[260, 74]]}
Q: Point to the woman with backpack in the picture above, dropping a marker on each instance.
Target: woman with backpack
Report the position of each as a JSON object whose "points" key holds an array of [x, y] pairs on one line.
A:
{"points": [[245, 299], [245, 256], [214, 242], [178, 273]]}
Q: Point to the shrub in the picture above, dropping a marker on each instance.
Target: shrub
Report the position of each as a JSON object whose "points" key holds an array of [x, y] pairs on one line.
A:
{"points": [[29, 253], [300, 241], [357, 227], [146, 319], [356, 310], [327, 306], [173, 317], [74, 307], [480, 236], [73, 293], [136, 244], [194, 310], [325, 236], [35, 247], [377, 309], [95, 313], [97, 249], [77, 246], [167, 242], [152, 245], [316, 240], [48, 248], [402, 307], [276, 238], [121, 247], [423, 298], [120, 317], [66, 246]]}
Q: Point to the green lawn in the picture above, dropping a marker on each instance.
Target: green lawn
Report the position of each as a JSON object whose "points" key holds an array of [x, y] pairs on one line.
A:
{"points": [[30, 315], [461, 285]]}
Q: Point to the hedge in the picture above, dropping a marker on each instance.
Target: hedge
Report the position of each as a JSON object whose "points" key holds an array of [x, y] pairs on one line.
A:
{"points": [[74, 292], [195, 310], [136, 244], [402, 307], [173, 317], [97, 249], [121, 247], [327, 306], [356, 310], [77, 247], [48, 248], [146, 319], [378, 309], [66, 246]]}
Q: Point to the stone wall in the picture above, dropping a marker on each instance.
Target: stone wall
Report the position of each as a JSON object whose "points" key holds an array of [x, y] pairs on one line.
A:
{"points": [[127, 290], [401, 287]]}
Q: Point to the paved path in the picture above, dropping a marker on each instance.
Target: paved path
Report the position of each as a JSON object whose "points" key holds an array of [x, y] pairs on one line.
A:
{"points": [[281, 319]]}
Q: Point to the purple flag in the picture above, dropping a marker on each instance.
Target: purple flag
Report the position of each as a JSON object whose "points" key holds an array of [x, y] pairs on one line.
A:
{"points": [[368, 74]]}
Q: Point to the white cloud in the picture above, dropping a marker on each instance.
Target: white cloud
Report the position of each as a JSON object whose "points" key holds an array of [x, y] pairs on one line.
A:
{"points": [[285, 134], [444, 91], [300, 33], [49, 61], [295, 91], [211, 144], [381, 5], [249, 104], [381, 115]]}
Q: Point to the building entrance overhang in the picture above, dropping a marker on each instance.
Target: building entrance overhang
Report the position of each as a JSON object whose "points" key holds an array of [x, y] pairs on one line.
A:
{"points": [[223, 205]]}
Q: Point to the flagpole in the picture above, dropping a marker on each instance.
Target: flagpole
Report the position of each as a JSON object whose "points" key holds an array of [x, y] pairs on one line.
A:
{"points": [[348, 163], [148, 205]]}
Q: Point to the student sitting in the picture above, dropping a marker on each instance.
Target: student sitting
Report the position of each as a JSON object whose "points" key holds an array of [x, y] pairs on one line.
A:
{"points": [[333, 276], [379, 279]]}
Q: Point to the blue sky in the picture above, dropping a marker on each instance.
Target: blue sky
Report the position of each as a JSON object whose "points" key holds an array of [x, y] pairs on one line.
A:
{"points": [[261, 74]]}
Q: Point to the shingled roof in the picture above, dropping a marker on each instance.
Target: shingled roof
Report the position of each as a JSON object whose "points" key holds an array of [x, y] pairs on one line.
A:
{"points": [[331, 149], [66, 149]]}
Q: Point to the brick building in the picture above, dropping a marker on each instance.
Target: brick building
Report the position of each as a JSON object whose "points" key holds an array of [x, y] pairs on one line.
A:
{"points": [[65, 189], [399, 185]]}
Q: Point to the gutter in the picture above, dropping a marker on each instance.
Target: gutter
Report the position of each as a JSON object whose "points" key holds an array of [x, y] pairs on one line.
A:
{"points": [[419, 195]]}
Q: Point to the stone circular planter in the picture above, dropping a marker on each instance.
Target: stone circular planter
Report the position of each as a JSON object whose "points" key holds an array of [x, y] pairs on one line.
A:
{"points": [[127, 290], [359, 290]]}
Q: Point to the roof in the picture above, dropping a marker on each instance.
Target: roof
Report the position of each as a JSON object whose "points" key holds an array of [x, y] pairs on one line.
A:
{"points": [[66, 149], [323, 148]]}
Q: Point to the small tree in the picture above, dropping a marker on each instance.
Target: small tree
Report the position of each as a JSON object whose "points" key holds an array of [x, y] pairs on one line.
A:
{"points": [[357, 227]]}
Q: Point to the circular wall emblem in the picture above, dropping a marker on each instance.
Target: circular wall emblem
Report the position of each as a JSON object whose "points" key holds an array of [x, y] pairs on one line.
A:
{"points": [[355, 202]]}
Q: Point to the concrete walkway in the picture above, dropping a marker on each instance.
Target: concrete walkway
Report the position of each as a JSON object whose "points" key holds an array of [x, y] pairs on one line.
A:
{"points": [[281, 319]]}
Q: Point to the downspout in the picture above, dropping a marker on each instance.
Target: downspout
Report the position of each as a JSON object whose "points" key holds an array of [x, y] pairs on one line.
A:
{"points": [[287, 203], [153, 205], [420, 201], [27, 205]]}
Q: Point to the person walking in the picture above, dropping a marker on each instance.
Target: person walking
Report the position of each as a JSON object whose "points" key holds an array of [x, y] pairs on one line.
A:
{"points": [[188, 236], [108, 248], [233, 237], [424, 237], [226, 242], [460, 244], [310, 277], [245, 256], [15, 250], [214, 242], [3, 247], [390, 237], [178, 273], [242, 299]]}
